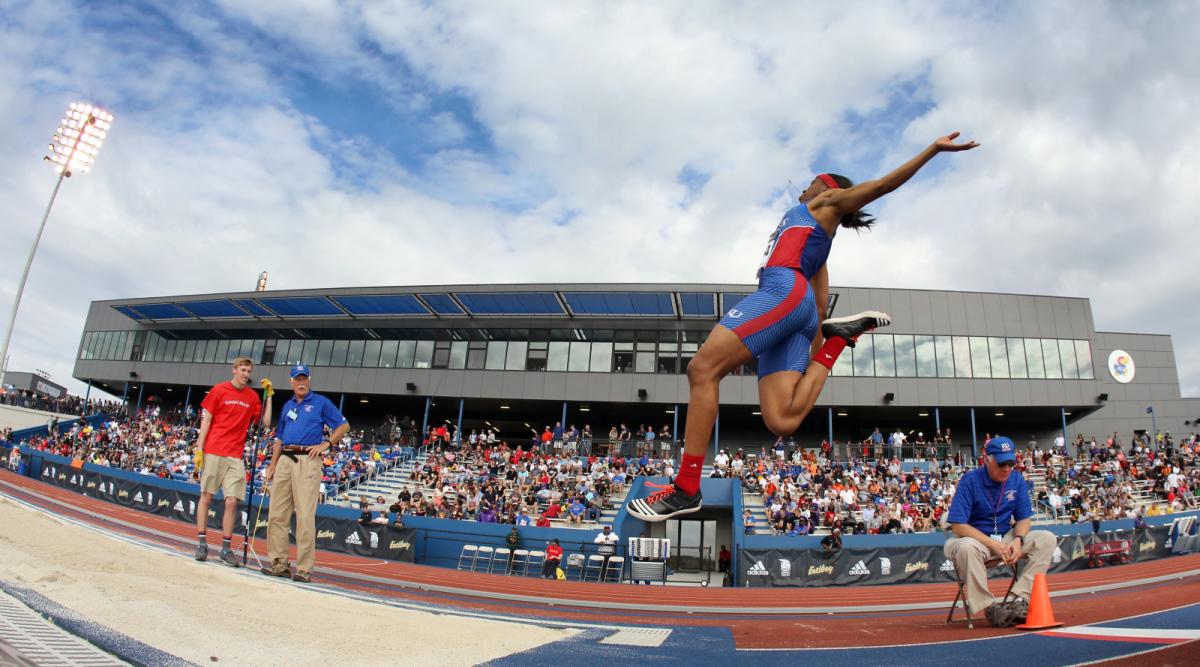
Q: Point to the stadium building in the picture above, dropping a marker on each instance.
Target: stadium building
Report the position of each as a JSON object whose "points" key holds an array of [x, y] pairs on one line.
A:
{"points": [[517, 358]]}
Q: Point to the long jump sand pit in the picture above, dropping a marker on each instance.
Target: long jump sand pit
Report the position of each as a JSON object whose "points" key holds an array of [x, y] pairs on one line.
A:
{"points": [[211, 614]]}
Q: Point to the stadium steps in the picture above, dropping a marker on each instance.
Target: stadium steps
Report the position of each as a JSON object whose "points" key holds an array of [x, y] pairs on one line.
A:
{"points": [[753, 502], [617, 501]]}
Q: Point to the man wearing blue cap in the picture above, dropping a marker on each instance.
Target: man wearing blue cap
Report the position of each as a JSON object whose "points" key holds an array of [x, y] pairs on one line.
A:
{"points": [[988, 501], [296, 464]]}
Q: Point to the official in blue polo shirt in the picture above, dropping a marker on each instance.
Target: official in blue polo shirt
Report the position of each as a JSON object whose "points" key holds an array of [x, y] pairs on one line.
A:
{"points": [[991, 516], [296, 463]]}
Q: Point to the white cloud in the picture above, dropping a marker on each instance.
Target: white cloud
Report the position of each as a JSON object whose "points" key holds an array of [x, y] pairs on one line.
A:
{"points": [[591, 110]]}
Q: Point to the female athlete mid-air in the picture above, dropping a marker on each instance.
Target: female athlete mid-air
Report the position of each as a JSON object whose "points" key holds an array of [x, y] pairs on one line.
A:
{"points": [[778, 324]]}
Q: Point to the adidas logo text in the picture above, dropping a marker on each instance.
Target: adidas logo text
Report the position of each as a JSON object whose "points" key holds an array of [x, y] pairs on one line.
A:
{"points": [[758, 570], [860, 568], [354, 539]]}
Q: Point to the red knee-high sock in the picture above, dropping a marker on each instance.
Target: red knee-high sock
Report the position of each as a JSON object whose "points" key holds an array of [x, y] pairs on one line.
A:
{"points": [[688, 479], [828, 354]]}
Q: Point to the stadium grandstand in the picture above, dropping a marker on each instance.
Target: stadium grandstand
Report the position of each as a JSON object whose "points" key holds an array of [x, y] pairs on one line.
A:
{"points": [[541, 405]]}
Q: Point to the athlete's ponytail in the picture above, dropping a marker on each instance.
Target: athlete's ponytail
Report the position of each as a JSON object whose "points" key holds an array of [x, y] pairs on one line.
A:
{"points": [[857, 219]]}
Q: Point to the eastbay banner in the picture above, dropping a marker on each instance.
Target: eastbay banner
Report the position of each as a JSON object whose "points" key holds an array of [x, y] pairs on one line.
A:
{"points": [[333, 534], [768, 568]]}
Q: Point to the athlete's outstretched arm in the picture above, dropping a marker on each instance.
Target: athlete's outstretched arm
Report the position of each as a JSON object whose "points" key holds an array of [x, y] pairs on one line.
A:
{"points": [[853, 199]]}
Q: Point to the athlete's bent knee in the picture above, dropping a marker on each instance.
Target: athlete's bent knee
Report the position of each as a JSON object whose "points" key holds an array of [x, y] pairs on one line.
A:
{"points": [[781, 426], [701, 370]]}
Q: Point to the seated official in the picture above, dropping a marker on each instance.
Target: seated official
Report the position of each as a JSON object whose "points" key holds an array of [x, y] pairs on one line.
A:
{"points": [[988, 502]]}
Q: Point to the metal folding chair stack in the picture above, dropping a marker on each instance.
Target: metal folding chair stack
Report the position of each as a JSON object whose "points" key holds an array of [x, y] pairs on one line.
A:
{"points": [[519, 561], [535, 562], [483, 559], [594, 568], [574, 565], [962, 584], [466, 557], [500, 559], [615, 571]]}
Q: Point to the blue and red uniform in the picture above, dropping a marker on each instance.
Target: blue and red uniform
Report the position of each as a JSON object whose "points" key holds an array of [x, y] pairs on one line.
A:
{"points": [[778, 322]]}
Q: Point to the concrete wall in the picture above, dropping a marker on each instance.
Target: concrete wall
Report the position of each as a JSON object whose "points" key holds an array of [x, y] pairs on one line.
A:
{"points": [[19, 418]]}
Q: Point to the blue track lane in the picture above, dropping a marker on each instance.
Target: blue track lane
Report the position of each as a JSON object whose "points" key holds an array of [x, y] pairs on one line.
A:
{"points": [[697, 646]]}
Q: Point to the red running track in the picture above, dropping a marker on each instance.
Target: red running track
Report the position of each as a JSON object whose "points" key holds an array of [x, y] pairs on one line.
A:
{"points": [[757, 618]]}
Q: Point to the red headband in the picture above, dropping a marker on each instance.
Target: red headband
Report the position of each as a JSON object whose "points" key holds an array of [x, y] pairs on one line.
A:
{"points": [[830, 181]]}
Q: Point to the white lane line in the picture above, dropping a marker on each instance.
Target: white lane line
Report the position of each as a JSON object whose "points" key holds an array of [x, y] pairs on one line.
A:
{"points": [[1128, 633]]}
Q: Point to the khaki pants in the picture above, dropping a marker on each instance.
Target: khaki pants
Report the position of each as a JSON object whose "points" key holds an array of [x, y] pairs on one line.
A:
{"points": [[969, 554], [294, 487]]}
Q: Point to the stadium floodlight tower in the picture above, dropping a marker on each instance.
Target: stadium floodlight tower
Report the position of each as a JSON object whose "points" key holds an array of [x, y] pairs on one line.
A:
{"points": [[74, 149]]}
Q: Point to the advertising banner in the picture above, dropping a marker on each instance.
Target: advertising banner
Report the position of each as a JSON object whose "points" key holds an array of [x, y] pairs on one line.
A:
{"points": [[343, 535], [767, 568]]}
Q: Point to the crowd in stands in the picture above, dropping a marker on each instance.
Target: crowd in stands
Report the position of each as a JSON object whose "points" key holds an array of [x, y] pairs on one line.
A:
{"points": [[1103, 477], [65, 404], [807, 491], [485, 479], [563, 474], [162, 443]]}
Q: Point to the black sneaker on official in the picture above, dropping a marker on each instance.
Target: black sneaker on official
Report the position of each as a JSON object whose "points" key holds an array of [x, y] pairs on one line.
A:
{"points": [[228, 557], [662, 505], [201, 552], [851, 327]]}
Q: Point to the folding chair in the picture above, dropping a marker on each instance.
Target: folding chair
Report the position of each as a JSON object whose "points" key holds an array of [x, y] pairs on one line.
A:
{"points": [[615, 571], [962, 584], [500, 558], [519, 561], [536, 560], [594, 566], [574, 561], [483, 559], [466, 558]]}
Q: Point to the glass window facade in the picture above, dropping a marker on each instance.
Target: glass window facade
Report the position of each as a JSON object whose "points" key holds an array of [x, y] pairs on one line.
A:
{"points": [[604, 351]]}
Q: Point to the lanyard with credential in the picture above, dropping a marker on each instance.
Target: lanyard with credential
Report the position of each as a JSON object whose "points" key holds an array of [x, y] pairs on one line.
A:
{"points": [[996, 509]]}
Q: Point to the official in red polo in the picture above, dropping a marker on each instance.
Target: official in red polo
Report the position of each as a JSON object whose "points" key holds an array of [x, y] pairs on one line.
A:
{"points": [[225, 418]]}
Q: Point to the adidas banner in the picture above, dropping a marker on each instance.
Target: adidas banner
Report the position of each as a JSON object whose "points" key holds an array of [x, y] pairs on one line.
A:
{"points": [[343, 535], [375, 541], [848, 567], [763, 568]]}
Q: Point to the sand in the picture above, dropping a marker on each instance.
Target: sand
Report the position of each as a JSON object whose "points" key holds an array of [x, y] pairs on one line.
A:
{"points": [[211, 614]]}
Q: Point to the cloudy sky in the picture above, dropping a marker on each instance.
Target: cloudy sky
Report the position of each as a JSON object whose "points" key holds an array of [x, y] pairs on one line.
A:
{"points": [[343, 143]]}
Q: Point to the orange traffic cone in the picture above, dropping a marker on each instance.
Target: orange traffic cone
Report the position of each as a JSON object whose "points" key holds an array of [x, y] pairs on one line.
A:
{"points": [[1041, 616]]}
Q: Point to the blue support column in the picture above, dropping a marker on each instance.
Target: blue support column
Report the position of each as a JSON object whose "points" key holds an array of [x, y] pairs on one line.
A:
{"points": [[458, 427], [141, 389], [564, 417], [88, 395], [974, 441], [187, 401], [937, 420], [1066, 440], [717, 435], [341, 404], [675, 427], [829, 413], [425, 421]]}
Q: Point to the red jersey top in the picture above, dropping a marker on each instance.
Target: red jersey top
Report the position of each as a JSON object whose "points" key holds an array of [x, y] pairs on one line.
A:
{"points": [[232, 410], [554, 552]]}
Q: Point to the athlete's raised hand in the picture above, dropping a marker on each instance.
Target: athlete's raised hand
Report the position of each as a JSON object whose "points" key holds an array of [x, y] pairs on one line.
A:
{"points": [[946, 144]]}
